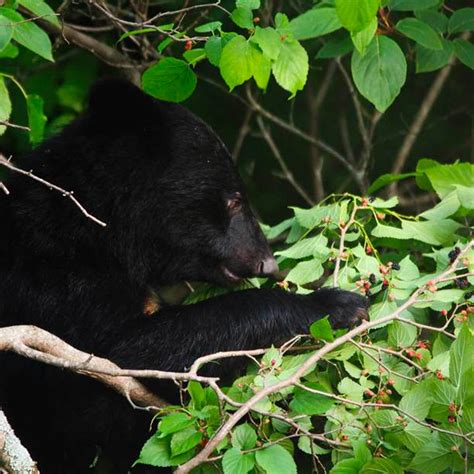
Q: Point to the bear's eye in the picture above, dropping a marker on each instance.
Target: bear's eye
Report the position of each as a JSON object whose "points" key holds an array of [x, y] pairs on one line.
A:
{"points": [[234, 204]]}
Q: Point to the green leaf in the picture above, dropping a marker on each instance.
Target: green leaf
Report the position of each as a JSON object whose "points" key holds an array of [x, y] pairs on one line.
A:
{"points": [[363, 38], [322, 330], [420, 32], [401, 334], [244, 437], [445, 178], [431, 458], [352, 390], [268, 40], [242, 17], [361, 451], [6, 32], [29, 34], [355, 16], [308, 403], [311, 246], [291, 67], [140, 31], [408, 270], [314, 23], [275, 460], [418, 400], [197, 394], [464, 51], [170, 79], [409, 5], [336, 46], [184, 440], [434, 18], [236, 62], [447, 207], [251, 4], [10, 51], [415, 436], [380, 73], [347, 466], [234, 462], [36, 118], [213, 50], [195, 55], [305, 272], [428, 60], [462, 355], [155, 452], [41, 9], [387, 179], [174, 422], [5, 104], [461, 20], [208, 27], [261, 68], [381, 466], [308, 446]]}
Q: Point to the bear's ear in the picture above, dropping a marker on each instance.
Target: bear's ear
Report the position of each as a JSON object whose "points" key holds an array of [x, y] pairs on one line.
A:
{"points": [[117, 97]]}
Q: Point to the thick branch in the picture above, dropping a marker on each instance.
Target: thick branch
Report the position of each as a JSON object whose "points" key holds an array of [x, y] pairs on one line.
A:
{"points": [[14, 457]]}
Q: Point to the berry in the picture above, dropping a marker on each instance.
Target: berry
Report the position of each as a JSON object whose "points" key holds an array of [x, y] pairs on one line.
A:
{"points": [[422, 345], [452, 407], [273, 362], [439, 375], [395, 266], [385, 283], [468, 295], [390, 382], [368, 250], [369, 393], [461, 283], [432, 288], [345, 438], [256, 20], [371, 198], [453, 254], [364, 202], [419, 356], [188, 45], [444, 312], [452, 419], [383, 269], [410, 353], [380, 216], [372, 279]]}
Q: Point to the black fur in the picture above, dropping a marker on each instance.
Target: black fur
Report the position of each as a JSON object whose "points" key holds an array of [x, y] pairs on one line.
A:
{"points": [[162, 181]]}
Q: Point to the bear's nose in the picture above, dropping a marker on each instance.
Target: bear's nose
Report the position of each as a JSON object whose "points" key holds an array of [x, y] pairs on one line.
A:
{"points": [[267, 267]]}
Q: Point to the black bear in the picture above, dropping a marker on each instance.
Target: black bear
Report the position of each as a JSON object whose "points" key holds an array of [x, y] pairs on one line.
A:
{"points": [[176, 210]]}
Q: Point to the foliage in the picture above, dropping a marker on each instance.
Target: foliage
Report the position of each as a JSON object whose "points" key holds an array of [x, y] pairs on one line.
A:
{"points": [[398, 398]]}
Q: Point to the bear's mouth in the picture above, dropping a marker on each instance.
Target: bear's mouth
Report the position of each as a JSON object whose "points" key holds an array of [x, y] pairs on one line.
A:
{"points": [[230, 275]]}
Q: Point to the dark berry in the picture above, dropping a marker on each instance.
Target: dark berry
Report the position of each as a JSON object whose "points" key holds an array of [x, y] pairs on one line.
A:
{"points": [[468, 295], [371, 198], [453, 254], [461, 283], [395, 266], [372, 279]]}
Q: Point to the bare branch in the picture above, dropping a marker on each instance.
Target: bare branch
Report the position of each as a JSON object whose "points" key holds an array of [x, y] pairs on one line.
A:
{"points": [[14, 457], [68, 194]]}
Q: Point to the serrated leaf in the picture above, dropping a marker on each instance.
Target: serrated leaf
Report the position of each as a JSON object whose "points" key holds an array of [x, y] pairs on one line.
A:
{"points": [[235, 462], [351, 389], [462, 355], [171, 80], [431, 458], [208, 27], [387, 179], [5, 104], [461, 20], [355, 16], [314, 23], [41, 9], [244, 437], [305, 272], [418, 400], [276, 460], [306, 247], [420, 32], [236, 62], [242, 17], [309, 403], [408, 270], [401, 334], [268, 40], [29, 34], [415, 436], [308, 446], [213, 49], [155, 452], [174, 422], [380, 73], [464, 51], [261, 68], [183, 441], [291, 67], [194, 55], [381, 466], [322, 330]]}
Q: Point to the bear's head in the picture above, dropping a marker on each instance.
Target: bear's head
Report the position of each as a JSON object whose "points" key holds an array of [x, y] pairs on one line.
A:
{"points": [[161, 179]]}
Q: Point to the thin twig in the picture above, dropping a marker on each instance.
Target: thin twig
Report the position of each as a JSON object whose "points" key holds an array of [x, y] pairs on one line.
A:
{"points": [[68, 194]]}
